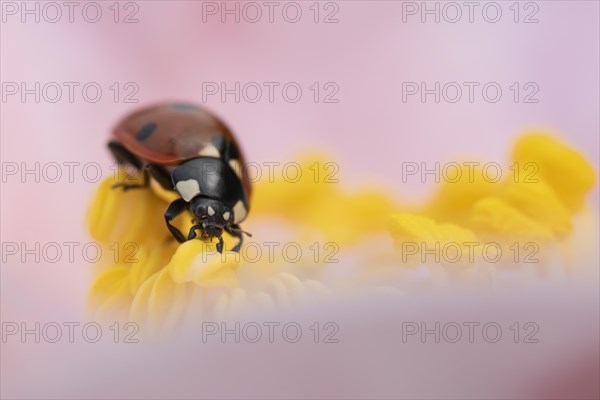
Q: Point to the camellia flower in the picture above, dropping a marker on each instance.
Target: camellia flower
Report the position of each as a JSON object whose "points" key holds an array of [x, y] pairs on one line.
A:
{"points": [[344, 239]]}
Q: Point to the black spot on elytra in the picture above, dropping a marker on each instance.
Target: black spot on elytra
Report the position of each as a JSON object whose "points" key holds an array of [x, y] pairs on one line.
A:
{"points": [[146, 131]]}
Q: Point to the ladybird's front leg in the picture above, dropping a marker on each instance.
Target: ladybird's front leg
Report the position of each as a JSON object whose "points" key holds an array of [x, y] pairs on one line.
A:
{"points": [[192, 232], [174, 209], [220, 245]]}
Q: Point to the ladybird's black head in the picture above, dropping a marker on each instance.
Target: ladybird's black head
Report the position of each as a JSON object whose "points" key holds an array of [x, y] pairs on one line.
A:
{"points": [[212, 215]]}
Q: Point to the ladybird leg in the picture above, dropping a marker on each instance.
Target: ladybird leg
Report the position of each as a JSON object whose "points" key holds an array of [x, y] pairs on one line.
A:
{"points": [[192, 232], [220, 245], [128, 186], [174, 209], [161, 175], [124, 156], [235, 231]]}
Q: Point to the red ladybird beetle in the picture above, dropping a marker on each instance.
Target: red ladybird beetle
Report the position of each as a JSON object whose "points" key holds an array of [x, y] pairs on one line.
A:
{"points": [[188, 150]]}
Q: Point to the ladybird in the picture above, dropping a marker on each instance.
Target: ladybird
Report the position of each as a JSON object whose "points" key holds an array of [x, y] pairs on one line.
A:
{"points": [[189, 151]]}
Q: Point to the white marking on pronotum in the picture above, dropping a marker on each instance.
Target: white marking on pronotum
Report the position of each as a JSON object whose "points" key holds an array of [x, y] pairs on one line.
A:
{"points": [[226, 215], [209, 151], [235, 166], [211, 211], [188, 189], [239, 211]]}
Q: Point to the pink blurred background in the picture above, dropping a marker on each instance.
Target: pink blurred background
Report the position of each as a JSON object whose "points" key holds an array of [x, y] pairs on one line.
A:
{"points": [[368, 53]]}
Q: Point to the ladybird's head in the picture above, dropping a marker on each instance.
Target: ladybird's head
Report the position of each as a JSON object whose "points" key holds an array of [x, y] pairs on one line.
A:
{"points": [[212, 215]]}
